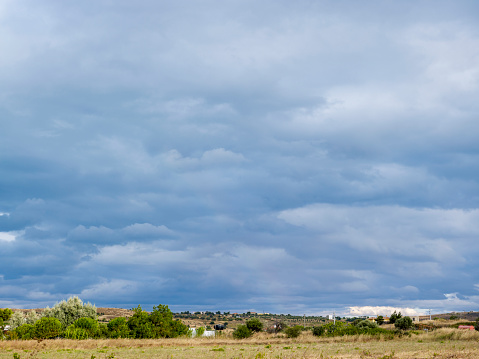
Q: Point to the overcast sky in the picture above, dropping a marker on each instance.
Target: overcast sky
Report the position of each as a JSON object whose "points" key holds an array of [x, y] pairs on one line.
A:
{"points": [[279, 156]]}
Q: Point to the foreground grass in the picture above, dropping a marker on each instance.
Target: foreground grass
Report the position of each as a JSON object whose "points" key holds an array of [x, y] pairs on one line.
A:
{"points": [[443, 343]]}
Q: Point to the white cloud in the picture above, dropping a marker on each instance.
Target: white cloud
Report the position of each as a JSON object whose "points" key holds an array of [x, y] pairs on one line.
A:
{"points": [[382, 310], [10, 236]]}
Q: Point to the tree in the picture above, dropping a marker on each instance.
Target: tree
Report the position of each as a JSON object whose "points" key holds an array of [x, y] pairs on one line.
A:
{"points": [[17, 320], [69, 311], [139, 324], [254, 325], [395, 316], [380, 320], [158, 324], [163, 324], [403, 323], [32, 317], [47, 328]]}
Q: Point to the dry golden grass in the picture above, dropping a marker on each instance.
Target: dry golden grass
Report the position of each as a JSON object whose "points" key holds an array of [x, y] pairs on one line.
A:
{"points": [[440, 344]]}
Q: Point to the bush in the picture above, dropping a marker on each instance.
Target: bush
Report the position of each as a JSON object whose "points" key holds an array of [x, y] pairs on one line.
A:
{"points": [[403, 323], [17, 320], [24, 332], [293, 332], [200, 331], [5, 314], [366, 324], [73, 332], [254, 325], [395, 316], [139, 324], [158, 324], [47, 328], [242, 332], [69, 311], [118, 328], [318, 331], [32, 317], [476, 326], [89, 325]]}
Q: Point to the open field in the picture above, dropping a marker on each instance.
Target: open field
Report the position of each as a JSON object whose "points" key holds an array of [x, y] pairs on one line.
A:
{"points": [[442, 343]]}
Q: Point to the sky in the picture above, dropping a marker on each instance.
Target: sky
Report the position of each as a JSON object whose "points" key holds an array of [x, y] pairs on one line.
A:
{"points": [[280, 156]]}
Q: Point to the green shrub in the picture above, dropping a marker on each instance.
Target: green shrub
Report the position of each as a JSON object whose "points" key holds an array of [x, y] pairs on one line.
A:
{"points": [[242, 332], [158, 324], [254, 325], [334, 328], [200, 331], [76, 333], [140, 325], [476, 326], [366, 324], [293, 332], [47, 328], [90, 325], [118, 328], [318, 331], [24, 332], [5, 314], [403, 323]]}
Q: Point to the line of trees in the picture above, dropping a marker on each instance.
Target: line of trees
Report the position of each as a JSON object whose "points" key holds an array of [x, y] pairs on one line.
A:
{"points": [[74, 319]]}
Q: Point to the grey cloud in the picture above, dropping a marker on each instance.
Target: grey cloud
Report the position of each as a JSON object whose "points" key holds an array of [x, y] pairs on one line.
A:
{"points": [[323, 154]]}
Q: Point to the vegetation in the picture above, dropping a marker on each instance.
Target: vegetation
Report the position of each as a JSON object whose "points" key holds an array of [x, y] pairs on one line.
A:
{"points": [[445, 343], [254, 325], [403, 323], [67, 312], [72, 319], [293, 332], [242, 332], [319, 330], [118, 328], [47, 328], [158, 324], [5, 315], [395, 316]]}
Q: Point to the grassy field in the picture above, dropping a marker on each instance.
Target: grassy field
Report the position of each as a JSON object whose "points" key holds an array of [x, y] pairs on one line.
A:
{"points": [[442, 343]]}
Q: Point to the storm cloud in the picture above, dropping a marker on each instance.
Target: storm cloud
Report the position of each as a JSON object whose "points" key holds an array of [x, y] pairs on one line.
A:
{"points": [[295, 157]]}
